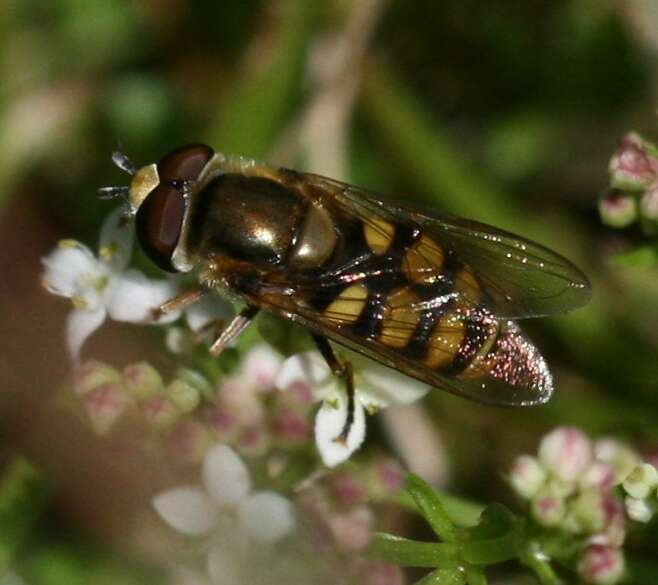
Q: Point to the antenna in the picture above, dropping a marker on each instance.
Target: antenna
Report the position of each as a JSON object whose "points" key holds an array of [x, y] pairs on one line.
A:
{"points": [[123, 162]]}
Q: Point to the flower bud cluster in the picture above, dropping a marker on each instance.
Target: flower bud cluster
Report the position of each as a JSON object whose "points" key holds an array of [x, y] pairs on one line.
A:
{"points": [[633, 193], [109, 396], [571, 487], [340, 507]]}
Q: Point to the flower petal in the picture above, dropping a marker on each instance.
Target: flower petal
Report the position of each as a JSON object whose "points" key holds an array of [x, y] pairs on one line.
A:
{"points": [[80, 324], [225, 476], [329, 423], [261, 366], [209, 308], [307, 368], [132, 297], [380, 386], [188, 509], [65, 266], [116, 240], [266, 516]]}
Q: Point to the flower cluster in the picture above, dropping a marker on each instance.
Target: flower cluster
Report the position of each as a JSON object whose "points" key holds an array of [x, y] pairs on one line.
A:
{"points": [[573, 487], [633, 193], [242, 410], [102, 285]]}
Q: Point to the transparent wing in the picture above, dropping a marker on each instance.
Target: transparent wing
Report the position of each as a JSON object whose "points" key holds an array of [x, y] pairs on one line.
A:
{"points": [[520, 278]]}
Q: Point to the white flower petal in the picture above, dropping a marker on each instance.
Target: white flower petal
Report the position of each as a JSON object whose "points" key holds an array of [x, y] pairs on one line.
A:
{"points": [[132, 297], [224, 566], [266, 516], [261, 366], [308, 368], [116, 240], [329, 423], [80, 324], [188, 509], [225, 476], [380, 386], [209, 308], [65, 266]]}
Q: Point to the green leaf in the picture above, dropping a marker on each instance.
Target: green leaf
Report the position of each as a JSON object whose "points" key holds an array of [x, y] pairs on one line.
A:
{"points": [[495, 539], [431, 508], [412, 553], [444, 577], [642, 257], [251, 116]]}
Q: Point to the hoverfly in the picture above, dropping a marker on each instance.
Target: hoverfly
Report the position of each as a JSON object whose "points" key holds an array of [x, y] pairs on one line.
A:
{"points": [[434, 297]]}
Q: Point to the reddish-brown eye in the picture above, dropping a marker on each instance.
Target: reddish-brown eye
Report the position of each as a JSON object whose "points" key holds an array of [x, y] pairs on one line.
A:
{"points": [[184, 163], [159, 222]]}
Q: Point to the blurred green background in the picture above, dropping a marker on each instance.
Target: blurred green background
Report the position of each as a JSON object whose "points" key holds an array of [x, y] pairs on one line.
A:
{"points": [[504, 112]]}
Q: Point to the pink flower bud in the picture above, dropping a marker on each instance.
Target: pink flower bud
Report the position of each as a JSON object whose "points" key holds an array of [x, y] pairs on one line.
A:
{"points": [[599, 475], [601, 565], [566, 453], [548, 508], [190, 441], [92, 375], [527, 476], [352, 531], [346, 489], [614, 529], [381, 573], [290, 427], [384, 477], [622, 458], [105, 405], [142, 380], [632, 167], [617, 209], [160, 411], [252, 441]]}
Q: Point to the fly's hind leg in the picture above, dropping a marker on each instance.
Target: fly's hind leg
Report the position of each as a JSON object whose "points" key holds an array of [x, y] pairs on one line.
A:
{"points": [[346, 373]]}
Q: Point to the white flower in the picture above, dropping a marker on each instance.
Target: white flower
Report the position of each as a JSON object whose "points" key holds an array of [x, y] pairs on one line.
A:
{"points": [[638, 509], [376, 387], [238, 520], [102, 286]]}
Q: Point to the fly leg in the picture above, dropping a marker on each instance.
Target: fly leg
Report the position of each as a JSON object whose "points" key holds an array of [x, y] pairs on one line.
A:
{"points": [[346, 373], [233, 330], [180, 301]]}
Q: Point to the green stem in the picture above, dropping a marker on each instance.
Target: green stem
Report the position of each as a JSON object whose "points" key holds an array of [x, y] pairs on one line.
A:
{"points": [[412, 553]]}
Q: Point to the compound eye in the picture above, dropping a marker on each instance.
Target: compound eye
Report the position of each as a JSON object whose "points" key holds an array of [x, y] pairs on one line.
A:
{"points": [[184, 163], [159, 223]]}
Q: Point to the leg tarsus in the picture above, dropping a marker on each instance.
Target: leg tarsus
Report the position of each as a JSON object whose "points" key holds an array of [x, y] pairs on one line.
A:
{"points": [[346, 373], [233, 330], [180, 301]]}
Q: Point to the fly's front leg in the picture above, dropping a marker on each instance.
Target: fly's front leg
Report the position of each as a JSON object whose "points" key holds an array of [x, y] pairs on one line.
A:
{"points": [[346, 373], [179, 302], [233, 330]]}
